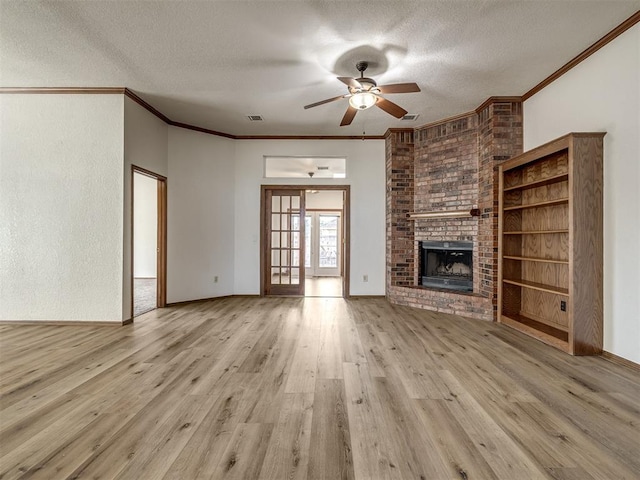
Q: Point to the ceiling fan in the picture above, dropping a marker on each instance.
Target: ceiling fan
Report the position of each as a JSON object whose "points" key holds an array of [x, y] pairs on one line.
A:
{"points": [[364, 93]]}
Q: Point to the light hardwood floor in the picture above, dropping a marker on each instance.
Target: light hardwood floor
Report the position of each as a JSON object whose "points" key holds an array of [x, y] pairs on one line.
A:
{"points": [[267, 388], [323, 287]]}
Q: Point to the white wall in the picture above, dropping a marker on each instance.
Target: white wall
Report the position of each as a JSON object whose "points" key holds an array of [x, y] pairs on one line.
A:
{"points": [[603, 94], [200, 216], [145, 226], [365, 174], [145, 145], [61, 198]]}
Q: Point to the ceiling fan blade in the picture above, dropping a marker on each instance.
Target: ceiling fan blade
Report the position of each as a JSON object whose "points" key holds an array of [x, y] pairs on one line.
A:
{"points": [[391, 108], [400, 88], [328, 100], [351, 82], [348, 116]]}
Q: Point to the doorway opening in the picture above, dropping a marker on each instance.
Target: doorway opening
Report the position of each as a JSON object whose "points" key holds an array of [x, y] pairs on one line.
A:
{"points": [[323, 243], [148, 241], [304, 240]]}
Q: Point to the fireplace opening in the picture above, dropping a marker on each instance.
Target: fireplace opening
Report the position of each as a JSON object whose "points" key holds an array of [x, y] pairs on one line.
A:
{"points": [[447, 265]]}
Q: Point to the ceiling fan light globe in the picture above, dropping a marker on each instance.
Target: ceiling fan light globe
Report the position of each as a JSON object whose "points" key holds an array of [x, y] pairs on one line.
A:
{"points": [[362, 100]]}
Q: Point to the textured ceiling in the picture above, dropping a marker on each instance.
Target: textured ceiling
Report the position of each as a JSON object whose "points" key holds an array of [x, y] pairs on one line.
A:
{"points": [[212, 63]]}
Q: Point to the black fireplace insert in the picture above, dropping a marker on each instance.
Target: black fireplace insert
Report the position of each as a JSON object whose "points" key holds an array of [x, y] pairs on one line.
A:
{"points": [[447, 265]]}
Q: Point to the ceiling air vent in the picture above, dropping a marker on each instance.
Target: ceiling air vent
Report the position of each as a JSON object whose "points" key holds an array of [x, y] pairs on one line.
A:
{"points": [[320, 167], [409, 117], [255, 118]]}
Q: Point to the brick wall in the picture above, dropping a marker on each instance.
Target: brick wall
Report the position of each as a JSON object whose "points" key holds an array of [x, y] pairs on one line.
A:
{"points": [[400, 196], [499, 138], [450, 165]]}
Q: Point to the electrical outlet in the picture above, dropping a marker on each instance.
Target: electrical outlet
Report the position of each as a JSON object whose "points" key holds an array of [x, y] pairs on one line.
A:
{"points": [[215, 279], [563, 305], [365, 278]]}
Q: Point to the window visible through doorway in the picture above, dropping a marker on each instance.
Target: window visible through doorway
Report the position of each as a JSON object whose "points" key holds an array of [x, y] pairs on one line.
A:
{"points": [[322, 242]]}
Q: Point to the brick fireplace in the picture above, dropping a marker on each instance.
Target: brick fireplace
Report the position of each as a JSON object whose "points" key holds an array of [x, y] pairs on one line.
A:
{"points": [[444, 167]]}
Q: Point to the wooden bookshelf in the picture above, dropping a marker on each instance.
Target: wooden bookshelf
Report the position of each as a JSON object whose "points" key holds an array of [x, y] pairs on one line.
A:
{"points": [[533, 259], [539, 183], [546, 203], [543, 287], [535, 232], [550, 243]]}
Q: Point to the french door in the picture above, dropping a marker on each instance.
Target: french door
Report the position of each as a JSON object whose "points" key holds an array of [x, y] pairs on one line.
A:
{"points": [[282, 239], [284, 215], [323, 237]]}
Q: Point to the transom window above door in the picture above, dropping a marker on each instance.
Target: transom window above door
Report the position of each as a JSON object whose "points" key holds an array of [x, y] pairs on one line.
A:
{"points": [[304, 167]]}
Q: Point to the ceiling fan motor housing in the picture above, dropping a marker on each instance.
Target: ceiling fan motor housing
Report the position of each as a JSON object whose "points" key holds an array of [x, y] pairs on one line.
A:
{"points": [[364, 93], [362, 66], [368, 85]]}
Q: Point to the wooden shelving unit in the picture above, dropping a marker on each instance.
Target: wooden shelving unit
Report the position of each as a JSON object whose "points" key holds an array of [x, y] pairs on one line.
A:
{"points": [[550, 243], [545, 203]]}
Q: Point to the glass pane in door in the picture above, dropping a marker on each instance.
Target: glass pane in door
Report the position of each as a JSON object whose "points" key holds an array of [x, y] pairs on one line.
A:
{"points": [[328, 233], [285, 231], [307, 242]]}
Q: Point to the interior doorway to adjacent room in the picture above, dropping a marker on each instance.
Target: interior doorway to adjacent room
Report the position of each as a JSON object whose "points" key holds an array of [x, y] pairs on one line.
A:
{"points": [[305, 248], [323, 243], [148, 241]]}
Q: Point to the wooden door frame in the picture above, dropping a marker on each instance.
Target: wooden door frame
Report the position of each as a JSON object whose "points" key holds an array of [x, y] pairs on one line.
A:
{"points": [[346, 230], [161, 242]]}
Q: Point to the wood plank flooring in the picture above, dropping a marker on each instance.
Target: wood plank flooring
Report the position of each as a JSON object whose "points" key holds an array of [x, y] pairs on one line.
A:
{"points": [[323, 287], [315, 388]]}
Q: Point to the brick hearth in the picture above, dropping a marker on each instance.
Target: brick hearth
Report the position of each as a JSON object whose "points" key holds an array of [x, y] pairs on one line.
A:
{"points": [[444, 166]]}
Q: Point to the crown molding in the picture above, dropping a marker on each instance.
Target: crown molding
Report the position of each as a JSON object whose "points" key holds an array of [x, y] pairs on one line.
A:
{"points": [[133, 96], [391, 131], [447, 120], [65, 90], [492, 100], [309, 137], [612, 35], [195, 128], [147, 106]]}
